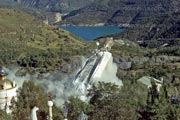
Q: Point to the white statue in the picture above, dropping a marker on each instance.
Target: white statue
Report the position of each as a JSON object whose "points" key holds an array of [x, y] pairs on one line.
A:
{"points": [[33, 113], [50, 104], [65, 110]]}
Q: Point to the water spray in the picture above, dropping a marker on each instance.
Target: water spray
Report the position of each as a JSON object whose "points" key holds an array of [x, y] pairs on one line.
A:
{"points": [[98, 67]]}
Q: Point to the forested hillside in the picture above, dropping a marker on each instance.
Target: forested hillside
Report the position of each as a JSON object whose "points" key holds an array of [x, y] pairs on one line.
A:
{"points": [[29, 43], [118, 12], [163, 30]]}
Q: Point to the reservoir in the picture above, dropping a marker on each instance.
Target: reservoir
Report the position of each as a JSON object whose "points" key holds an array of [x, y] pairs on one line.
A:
{"points": [[92, 32]]}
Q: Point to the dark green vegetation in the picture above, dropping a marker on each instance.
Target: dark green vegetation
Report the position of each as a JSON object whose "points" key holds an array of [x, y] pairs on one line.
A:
{"points": [[118, 12], [163, 30], [132, 102], [109, 102], [27, 42], [30, 95]]}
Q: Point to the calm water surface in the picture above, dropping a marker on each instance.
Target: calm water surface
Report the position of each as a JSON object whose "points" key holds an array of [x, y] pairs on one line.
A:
{"points": [[92, 32]]}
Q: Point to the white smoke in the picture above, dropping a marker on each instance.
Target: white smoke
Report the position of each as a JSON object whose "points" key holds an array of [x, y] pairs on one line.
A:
{"points": [[60, 84], [109, 74], [52, 82], [11, 71]]}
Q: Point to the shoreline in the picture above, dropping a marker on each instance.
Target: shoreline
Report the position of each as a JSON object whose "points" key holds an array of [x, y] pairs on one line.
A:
{"points": [[94, 25]]}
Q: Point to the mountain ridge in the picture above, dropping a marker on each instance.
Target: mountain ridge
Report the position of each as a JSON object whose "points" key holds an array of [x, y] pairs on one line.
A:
{"points": [[120, 11], [54, 5]]}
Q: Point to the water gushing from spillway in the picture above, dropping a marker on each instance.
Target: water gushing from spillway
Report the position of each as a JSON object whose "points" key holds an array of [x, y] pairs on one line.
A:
{"points": [[98, 67]]}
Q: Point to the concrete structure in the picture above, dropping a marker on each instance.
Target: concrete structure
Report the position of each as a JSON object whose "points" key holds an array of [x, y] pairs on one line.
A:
{"points": [[50, 104], [95, 67], [105, 57], [148, 81], [46, 22], [58, 17], [65, 110], [7, 92]]}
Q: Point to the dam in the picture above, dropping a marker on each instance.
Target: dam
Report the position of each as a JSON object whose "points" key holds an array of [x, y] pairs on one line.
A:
{"points": [[99, 67]]}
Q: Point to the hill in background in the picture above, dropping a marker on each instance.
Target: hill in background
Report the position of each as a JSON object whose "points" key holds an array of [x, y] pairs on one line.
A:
{"points": [[119, 12], [45, 9], [53, 5], [157, 31]]}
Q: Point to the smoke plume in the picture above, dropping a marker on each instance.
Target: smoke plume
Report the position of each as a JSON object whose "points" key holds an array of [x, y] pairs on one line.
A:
{"points": [[60, 84]]}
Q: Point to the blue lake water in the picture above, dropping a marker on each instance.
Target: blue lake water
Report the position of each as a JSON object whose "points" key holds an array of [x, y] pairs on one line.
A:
{"points": [[92, 32]]}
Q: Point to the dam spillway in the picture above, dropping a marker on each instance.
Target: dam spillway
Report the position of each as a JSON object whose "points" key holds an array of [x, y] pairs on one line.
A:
{"points": [[98, 67]]}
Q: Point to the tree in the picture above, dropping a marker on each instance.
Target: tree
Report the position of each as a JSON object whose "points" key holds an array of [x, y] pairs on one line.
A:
{"points": [[116, 103], [5, 116], [29, 95], [165, 108], [76, 107]]}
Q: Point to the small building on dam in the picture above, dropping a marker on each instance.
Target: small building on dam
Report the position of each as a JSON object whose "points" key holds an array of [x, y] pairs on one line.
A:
{"points": [[7, 92]]}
